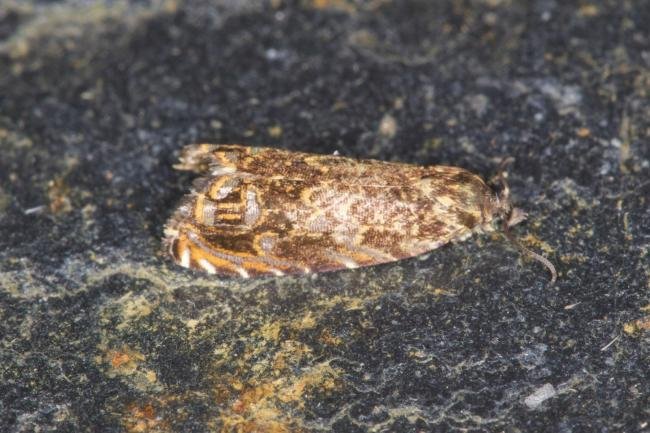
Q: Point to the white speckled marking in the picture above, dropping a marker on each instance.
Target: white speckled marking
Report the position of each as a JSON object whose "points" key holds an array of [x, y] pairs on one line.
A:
{"points": [[171, 232], [207, 266], [185, 258], [242, 272], [252, 212], [209, 212], [344, 260], [220, 171]]}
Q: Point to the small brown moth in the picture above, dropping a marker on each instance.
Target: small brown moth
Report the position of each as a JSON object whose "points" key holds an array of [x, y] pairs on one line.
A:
{"points": [[263, 211]]}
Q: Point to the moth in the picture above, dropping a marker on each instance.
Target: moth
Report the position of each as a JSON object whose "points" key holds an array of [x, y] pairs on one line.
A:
{"points": [[260, 211]]}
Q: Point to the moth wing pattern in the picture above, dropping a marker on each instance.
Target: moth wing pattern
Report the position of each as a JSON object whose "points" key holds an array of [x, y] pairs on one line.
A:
{"points": [[265, 211], [216, 159]]}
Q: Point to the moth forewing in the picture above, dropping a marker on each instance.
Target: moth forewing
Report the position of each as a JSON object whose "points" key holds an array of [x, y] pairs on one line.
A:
{"points": [[263, 211]]}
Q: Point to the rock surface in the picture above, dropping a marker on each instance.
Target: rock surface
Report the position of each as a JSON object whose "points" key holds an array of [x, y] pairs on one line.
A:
{"points": [[99, 331]]}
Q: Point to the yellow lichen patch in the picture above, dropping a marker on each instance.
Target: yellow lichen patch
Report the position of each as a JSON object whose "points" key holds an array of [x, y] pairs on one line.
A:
{"points": [[440, 291], [135, 306], [262, 406], [349, 303], [570, 258], [307, 321], [290, 354], [253, 412], [533, 240], [15, 139], [58, 194], [588, 10], [418, 355], [321, 376], [271, 331], [140, 419], [388, 126], [123, 361], [191, 324], [575, 230], [151, 376], [275, 131], [327, 338], [342, 5], [637, 326]]}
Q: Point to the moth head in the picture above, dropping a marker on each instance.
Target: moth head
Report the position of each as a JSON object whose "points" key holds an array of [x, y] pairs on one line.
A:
{"points": [[499, 208], [502, 210], [499, 204]]}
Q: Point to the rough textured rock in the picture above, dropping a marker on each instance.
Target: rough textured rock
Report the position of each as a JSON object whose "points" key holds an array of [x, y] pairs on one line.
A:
{"points": [[100, 332]]}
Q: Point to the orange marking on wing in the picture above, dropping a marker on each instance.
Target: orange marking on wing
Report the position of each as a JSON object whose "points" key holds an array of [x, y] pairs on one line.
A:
{"points": [[249, 262], [222, 265], [188, 254], [260, 267], [198, 208], [361, 258], [221, 158], [225, 205], [197, 253]]}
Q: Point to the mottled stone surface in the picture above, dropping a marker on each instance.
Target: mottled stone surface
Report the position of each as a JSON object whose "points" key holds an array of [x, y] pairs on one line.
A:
{"points": [[100, 332]]}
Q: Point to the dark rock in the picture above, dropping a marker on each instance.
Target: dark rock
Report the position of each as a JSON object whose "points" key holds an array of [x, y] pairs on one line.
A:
{"points": [[99, 331]]}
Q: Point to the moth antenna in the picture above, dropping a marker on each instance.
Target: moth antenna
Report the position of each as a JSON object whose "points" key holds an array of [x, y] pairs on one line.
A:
{"points": [[532, 254]]}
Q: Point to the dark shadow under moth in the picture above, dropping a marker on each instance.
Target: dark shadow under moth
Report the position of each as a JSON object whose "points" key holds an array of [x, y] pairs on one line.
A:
{"points": [[263, 211]]}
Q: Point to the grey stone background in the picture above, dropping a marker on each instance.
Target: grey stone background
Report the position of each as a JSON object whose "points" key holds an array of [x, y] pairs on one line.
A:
{"points": [[99, 331]]}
